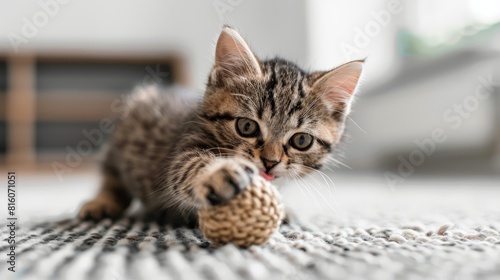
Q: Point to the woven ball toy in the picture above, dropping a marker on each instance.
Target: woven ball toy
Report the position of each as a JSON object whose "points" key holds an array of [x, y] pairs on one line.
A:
{"points": [[250, 218]]}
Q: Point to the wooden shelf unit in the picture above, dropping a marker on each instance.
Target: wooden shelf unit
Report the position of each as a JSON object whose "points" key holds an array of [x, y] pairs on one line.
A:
{"points": [[22, 106]]}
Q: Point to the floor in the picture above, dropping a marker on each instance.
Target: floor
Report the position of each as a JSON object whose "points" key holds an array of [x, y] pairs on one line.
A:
{"points": [[353, 226]]}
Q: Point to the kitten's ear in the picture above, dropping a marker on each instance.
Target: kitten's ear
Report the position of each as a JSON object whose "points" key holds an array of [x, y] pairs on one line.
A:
{"points": [[337, 86], [233, 57]]}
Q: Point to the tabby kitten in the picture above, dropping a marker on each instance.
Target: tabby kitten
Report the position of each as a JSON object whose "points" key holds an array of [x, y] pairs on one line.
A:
{"points": [[257, 118]]}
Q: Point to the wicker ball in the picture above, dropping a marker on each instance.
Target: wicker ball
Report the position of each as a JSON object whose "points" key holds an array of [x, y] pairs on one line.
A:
{"points": [[250, 218]]}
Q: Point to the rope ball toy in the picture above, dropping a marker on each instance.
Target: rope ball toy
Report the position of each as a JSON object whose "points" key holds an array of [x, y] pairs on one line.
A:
{"points": [[250, 218]]}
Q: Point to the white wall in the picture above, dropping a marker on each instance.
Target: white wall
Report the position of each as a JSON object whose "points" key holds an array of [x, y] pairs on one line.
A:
{"points": [[340, 31], [271, 27], [308, 32]]}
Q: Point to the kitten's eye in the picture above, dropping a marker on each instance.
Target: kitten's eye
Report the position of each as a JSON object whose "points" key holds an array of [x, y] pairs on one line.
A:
{"points": [[247, 127], [301, 141]]}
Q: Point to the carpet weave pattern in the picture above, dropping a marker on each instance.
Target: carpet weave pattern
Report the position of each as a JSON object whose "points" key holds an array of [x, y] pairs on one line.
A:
{"points": [[128, 249]]}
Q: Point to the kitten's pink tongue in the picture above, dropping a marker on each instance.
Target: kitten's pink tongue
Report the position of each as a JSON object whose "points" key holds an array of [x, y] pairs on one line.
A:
{"points": [[268, 177]]}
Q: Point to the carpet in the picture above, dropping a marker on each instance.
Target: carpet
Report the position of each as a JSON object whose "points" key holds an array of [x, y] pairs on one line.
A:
{"points": [[323, 248], [445, 228]]}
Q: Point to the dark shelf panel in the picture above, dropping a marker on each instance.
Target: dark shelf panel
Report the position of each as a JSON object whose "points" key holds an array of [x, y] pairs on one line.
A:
{"points": [[3, 76], [3, 137], [56, 136], [61, 76]]}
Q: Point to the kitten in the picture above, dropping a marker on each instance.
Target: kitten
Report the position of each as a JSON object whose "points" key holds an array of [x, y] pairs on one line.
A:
{"points": [[257, 118]]}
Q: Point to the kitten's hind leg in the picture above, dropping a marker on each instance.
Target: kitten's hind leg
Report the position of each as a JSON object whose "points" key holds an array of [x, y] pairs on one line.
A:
{"points": [[111, 201]]}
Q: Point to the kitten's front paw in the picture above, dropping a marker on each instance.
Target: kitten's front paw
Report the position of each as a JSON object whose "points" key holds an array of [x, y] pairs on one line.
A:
{"points": [[224, 179]]}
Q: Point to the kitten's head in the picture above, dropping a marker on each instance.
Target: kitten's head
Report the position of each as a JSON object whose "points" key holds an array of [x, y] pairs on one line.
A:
{"points": [[285, 120]]}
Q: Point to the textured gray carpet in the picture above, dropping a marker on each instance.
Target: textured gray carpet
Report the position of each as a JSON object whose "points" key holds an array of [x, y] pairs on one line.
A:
{"points": [[323, 249], [366, 231]]}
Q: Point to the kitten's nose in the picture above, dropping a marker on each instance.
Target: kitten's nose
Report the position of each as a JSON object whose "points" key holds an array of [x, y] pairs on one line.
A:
{"points": [[268, 164]]}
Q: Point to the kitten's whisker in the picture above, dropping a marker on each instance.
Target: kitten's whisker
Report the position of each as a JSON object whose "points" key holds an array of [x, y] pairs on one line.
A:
{"points": [[339, 162], [229, 150], [306, 186], [311, 188], [324, 176], [295, 178], [333, 184], [356, 124]]}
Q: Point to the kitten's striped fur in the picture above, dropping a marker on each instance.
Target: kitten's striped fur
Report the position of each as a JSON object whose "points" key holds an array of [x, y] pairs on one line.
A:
{"points": [[177, 156]]}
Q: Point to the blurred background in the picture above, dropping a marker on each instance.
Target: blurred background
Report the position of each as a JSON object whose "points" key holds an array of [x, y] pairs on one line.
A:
{"points": [[428, 107]]}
